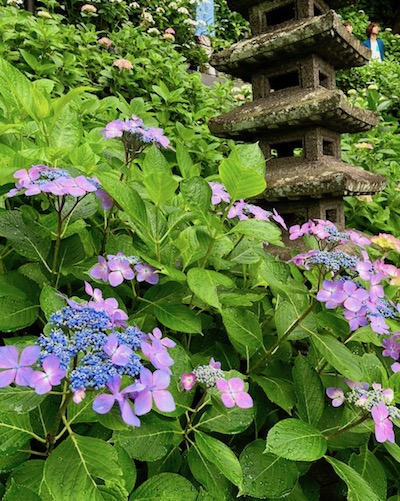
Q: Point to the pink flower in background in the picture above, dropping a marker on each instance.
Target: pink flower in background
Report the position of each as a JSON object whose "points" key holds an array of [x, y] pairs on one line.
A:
{"points": [[219, 194], [87, 7], [100, 270], [119, 269], [171, 31], [104, 41], [233, 393], [123, 64], [188, 380]]}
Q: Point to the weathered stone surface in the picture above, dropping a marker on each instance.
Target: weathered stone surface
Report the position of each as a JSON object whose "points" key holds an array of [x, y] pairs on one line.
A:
{"points": [[286, 109], [243, 6], [319, 179], [323, 35]]}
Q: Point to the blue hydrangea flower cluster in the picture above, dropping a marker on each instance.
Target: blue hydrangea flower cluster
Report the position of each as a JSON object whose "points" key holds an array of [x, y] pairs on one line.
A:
{"points": [[208, 375], [334, 261]]}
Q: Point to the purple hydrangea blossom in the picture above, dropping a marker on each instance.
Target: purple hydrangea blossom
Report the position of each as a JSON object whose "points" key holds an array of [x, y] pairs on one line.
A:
{"points": [[337, 396], [233, 393], [134, 128], [146, 273], [219, 194], [352, 297], [16, 370], [158, 355], [155, 136], [152, 386], [165, 341], [103, 403], [100, 270], [392, 346], [119, 269], [237, 210], [119, 354], [329, 288], [383, 426], [113, 129], [279, 219], [42, 382]]}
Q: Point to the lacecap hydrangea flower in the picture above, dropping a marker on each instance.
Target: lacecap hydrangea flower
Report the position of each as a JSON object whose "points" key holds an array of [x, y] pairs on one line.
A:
{"points": [[91, 347]]}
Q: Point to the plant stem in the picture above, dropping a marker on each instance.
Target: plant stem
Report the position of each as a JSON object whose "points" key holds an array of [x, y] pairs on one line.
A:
{"points": [[283, 338], [347, 427], [53, 436], [57, 246]]}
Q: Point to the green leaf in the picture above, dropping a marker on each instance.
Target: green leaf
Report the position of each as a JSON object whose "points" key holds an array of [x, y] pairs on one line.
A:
{"points": [[182, 364], [15, 491], [128, 468], [161, 187], [30, 240], [15, 88], [234, 421], [165, 487], [222, 456], [208, 474], [393, 450], [296, 440], [154, 161], [77, 468], [15, 430], [127, 198], [266, 475], [280, 391], [13, 461], [309, 391], [243, 329], [263, 231], [30, 475], [152, 440], [67, 130], [204, 284], [371, 470], [197, 194], [359, 489], [243, 179], [287, 314], [338, 356], [19, 399], [50, 300]]}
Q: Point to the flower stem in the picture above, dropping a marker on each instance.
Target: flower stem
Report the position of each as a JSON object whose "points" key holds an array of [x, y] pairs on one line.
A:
{"points": [[347, 427]]}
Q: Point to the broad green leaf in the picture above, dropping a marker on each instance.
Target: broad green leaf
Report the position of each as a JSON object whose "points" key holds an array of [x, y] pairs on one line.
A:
{"points": [[205, 472], [185, 162], [371, 470], [192, 245], [358, 488], [154, 161], [126, 197], [50, 300], [19, 399], [280, 391], [152, 440], [309, 391], [30, 475], [240, 180], [77, 468], [128, 467], [222, 456], [169, 463], [264, 231], [252, 157], [13, 461], [15, 491], [296, 440], [243, 329], [178, 318], [15, 430], [15, 88], [338, 356], [205, 283], [287, 314], [28, 239], [234, 421], [393, 450], [67, 130], [17, 313], [197, 194], [161, 187], [266, 475], [165, 487]]}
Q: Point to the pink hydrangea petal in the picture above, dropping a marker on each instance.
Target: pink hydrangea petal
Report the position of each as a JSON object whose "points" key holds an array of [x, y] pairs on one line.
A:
{"points": [[29, 355], [23, 376], [102, 404], [122, 356], [143, 403], [127, 414], [161, 379], [222, 385], [8, 357], [236, 384], [7, 377], [228, 400], [244, 400], [115, 278], [164, 400], [146, 377]]}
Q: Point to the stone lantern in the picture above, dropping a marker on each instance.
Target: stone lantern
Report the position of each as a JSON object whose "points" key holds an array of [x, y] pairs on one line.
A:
{"points": [[297, 114]]}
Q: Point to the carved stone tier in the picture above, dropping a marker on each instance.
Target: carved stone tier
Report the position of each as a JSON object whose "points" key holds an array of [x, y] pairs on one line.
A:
{"points": [[315, 6], [323, 35], [293, 108], [319, 179]]}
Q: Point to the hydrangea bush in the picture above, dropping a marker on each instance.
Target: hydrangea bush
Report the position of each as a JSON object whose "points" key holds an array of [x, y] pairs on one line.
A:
{"points": [[201, 366]]}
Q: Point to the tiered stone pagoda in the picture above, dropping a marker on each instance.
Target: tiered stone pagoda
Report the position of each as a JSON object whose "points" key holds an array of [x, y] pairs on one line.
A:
{"points": [[297, 114]]}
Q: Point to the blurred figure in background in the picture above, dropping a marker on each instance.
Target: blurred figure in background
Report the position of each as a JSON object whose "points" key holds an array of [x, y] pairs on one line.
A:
{"points": [[374, 43], [205, 30]]}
